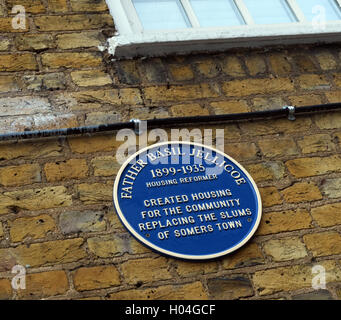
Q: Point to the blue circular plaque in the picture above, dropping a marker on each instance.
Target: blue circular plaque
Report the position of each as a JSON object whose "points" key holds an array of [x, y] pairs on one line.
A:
{"points": [[187, 200]]}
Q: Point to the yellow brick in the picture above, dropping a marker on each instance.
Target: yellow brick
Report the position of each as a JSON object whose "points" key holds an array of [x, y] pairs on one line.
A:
{"points": [[232, 66], [191, 291], [326, 60], [6, 25], [90, 78], [30, 150], [99, 277], [88, 5], [285, 249], [18, 62], [45, 253], [71, 60], [177, 93], [93, 144], [327, 215], [316, 143], [31, 6], [279, 64], [34, 199], [305, 100], [57, 5], [292, 278], [20, 175], [333, 96], [241, 151], [107, 246], [313, 82], [105, 166], [31, 227], [266, 171], [181, 72], [145, 270], [242, 88], [5, 289], [323, 244], [282, 147], [186, 110], [328, 120], [207, 68], [83, 39], [95, 193], [255, 64], [188, 268], [229, 287], [249, 255], [34, 41], [1, 230], [282, 221], [337, 79], [234, 106], [73, 22], [314, 166], [45, 284], [70, 169], [301, 191], [270, 196], [8, 84]]}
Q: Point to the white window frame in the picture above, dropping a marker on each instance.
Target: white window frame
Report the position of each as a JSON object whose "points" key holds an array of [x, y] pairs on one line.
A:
{"points": [[131, 40]]}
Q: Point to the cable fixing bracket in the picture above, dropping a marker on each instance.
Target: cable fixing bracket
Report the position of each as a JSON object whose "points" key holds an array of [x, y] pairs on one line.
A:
{"points": [[137, 126], [291, 112]]}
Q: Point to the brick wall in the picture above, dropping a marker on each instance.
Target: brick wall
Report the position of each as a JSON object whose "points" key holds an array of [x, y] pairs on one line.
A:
{"points": [[56, 212]]}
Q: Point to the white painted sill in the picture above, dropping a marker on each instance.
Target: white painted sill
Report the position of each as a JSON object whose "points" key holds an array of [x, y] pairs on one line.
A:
{"points": [[131, 41]]}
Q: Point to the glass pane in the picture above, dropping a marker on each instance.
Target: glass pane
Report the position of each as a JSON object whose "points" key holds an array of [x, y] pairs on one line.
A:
{"points": [[316, 8], [161, 14], [216, 13], [270, 11]]}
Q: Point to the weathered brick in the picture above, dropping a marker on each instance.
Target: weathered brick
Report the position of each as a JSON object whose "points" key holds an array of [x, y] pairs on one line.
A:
{"points": [[73, 22], [247, 256], [85, 39], [323, 244], [242, 88], [31, 150], [145, 270], [34, 199], [31, 227], [97, 118], [289, 220], [108, 246], [186, 110], [331, 188], [292, 278], [314, 166], [256, 64], [313, 82], [229, 287], [181, 72], [159, 94], [49, 81], [329, 120], [98, 277], [234, 106], [128, 72], [18, 62], [1, 230], [57, 5], [270, 196], [266, 171], [5, 44], [279, 64], [326, 60], [31, 6], [188, 268], [105, 166], [304, 63], [93, 144], [71, 60], [88, 5], [241, 150], [207, 68], [52, 121], [34, 41], [8, 84], [5, 289], [305, 100], [89, 78], [24, 105], [6, 25], [81, 221], [285, 249], [67, 169], [191, 291], [333, 96], [316, 143], [302, 191], [45, 253], [280, 148], [20, 175], [232, 67], [44, 284], [95, 193], [315, 295], [327, 215], [152, 70]]}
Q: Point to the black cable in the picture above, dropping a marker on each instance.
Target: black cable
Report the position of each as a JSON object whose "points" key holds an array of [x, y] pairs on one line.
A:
{"points": [[153, 123]]}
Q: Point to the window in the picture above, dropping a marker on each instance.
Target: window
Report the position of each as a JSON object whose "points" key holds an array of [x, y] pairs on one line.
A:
{"points": [[152, 27]]}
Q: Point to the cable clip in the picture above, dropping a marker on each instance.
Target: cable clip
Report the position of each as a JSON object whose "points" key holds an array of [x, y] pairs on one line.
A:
{"points": [[291, 112], [137, 126]]}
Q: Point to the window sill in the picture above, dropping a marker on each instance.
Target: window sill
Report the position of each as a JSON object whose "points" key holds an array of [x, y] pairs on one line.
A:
{"points": [[219, 39]]}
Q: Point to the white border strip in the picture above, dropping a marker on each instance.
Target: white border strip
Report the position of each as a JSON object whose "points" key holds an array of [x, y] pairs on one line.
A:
{"points": [[174, 254]]}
